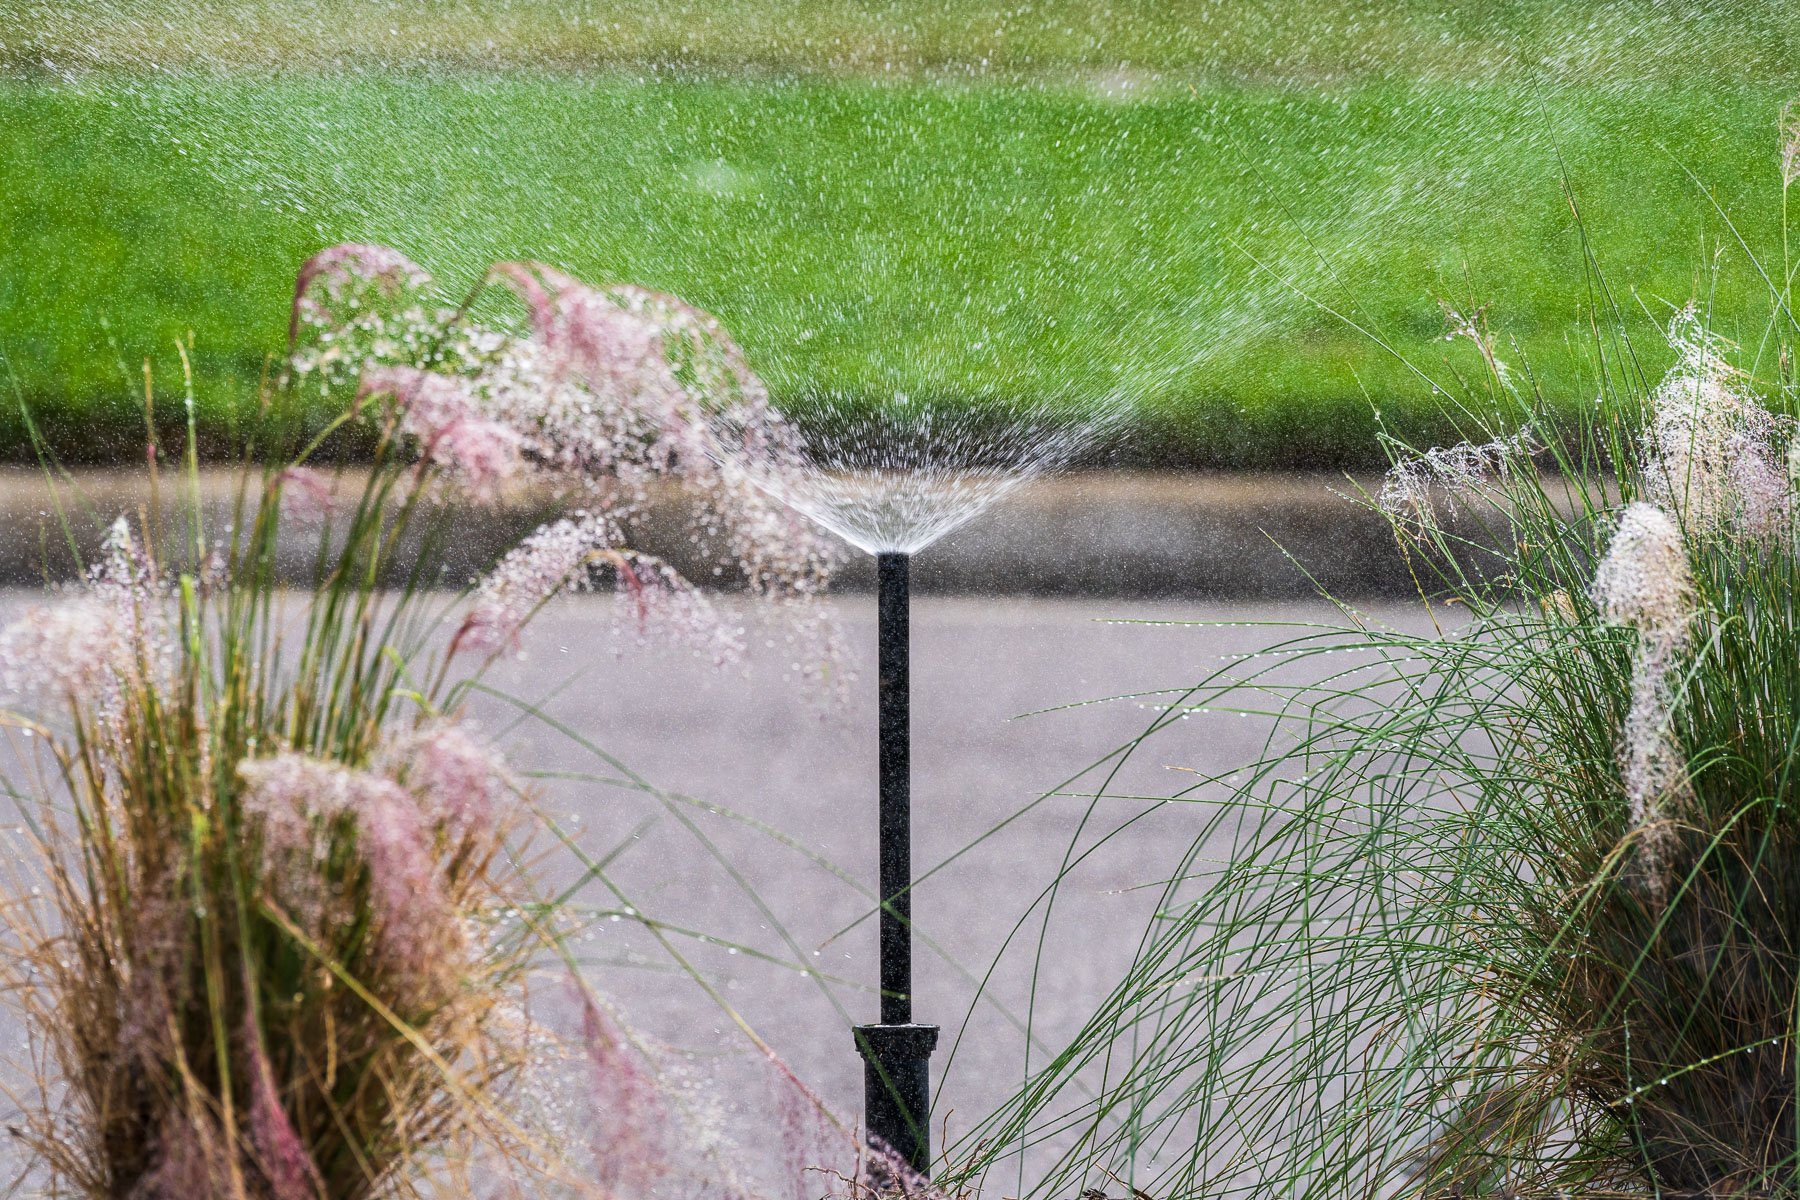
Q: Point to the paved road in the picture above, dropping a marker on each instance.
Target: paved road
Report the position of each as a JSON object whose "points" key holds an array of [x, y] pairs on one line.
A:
{"points": [[751, 740]]}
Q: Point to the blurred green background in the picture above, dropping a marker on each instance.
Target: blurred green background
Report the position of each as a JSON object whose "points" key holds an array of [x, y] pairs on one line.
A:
{"points": [[1240, 215]]}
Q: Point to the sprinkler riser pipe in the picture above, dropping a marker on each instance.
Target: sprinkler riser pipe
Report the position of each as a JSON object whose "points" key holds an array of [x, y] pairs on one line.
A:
{"points": [[896, 1053], [897, 1088], [893, 702]]}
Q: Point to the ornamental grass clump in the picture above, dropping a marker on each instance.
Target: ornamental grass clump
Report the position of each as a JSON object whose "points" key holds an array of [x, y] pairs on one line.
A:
{"points": [[1510, 907], [276, 928], [274, 925]]}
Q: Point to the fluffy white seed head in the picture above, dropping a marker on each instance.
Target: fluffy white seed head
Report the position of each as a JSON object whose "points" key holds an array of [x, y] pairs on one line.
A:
{"points": [[1712, 454], [1644, 580]]}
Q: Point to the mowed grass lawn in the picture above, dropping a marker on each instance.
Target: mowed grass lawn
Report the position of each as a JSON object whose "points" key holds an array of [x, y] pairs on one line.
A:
{"points": [[949, 236]]}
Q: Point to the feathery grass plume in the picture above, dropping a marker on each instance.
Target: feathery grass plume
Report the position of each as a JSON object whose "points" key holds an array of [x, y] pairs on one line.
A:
{"points": [[1415, 485], [606, 395], [276, 926], [354, 303], [284, 1158], [660, 605], [653, 1131], [552, 558], [1408, 951], [642, 385], [572, 555], [306, 494], [112, 633], [443, 419], [1473, 327], [460, 783], [79, 647], [301, 806], [258, 966], [1420, 488], [636, 1141], [1713, 456], [1644, 583]]}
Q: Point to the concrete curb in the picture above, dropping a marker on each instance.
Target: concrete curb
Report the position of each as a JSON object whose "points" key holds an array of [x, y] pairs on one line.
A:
{"points": [[1083, 534]]}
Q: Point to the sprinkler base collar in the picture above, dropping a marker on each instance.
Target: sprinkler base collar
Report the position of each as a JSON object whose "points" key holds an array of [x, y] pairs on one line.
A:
{"points": [[897, 1088]]}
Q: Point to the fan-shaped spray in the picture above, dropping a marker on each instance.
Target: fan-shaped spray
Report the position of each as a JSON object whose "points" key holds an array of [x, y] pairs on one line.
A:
{"points": [[895, 478]]}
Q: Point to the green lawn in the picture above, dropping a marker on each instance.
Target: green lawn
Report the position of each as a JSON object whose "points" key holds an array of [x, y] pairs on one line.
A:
{"points": [[949, 235]]}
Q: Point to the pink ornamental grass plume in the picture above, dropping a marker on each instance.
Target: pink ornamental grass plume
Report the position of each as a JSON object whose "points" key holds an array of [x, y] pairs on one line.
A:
{"points": [[528, 576], [332, 273], [458, 782], [442, 416], [286, 1164], [612, 390], [191, 1160], [156, 930], [287, 792], [418, 937], [306, 494], [125, 580], [611, 381], [295, 799], [574, 554], [658, 1130], [1764, 496], [77, 649], [627, 384], [814, 1144], [109, 633], [358, 304], [123, 572], [606, 393], [257, 942], [636, 1140], [1645, 583], [655, 600]]}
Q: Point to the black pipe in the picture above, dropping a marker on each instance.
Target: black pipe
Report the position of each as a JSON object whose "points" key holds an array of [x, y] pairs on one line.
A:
{"points": [[896, 1081], [893, 699]]}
